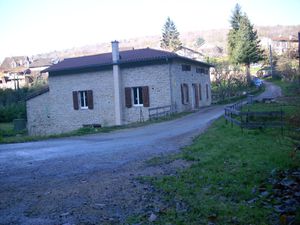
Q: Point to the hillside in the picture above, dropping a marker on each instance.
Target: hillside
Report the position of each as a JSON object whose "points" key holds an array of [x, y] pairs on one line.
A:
{"points": [[213, 38]]}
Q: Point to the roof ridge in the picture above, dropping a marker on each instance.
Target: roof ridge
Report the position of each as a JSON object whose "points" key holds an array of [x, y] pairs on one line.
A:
{"points": [[126, 57], [125, 51]]}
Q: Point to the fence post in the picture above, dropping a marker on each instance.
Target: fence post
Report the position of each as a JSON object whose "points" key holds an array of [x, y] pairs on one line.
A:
{"points": [[241, 116], [281, 120], [231, 119], [247, 117]]}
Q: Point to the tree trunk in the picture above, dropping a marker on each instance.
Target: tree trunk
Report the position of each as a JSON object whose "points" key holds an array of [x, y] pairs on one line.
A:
{"points": [[248, 75]]}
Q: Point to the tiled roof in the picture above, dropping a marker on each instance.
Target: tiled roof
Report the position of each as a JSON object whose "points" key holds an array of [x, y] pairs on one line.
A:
{"points": [[37, 93], [126, 57], [286, 38], [7, 62], [42, 62]]}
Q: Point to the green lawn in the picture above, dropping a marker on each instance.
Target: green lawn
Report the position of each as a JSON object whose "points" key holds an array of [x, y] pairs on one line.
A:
{"points": [[6, 126], [229, 167]]}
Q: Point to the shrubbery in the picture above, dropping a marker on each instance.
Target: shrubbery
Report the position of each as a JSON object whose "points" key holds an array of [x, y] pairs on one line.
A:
{"points": [[287, 68], [12, 103], [228, 81], [13, 111]]}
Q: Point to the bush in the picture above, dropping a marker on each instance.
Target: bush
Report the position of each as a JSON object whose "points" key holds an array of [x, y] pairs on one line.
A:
{"points": [[287, 68], [12, 103], [13, 111]]}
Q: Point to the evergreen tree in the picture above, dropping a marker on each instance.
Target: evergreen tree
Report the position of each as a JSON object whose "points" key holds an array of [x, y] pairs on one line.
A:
{"points": [[236, 17], [170, 36], [243, 42], [235, 24]]}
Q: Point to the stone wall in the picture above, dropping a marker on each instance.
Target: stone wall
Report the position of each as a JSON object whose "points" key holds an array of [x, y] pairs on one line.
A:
{"points": [[179, 77], [63, 114], [38, 115], [157, 78]]}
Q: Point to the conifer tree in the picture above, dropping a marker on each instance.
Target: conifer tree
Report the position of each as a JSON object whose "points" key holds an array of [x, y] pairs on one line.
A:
{"points": [[235, 24], [170, 36], [236, 17], [243, 43]]}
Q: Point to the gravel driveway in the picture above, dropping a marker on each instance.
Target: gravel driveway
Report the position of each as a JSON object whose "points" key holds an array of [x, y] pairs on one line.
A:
{"points": [[91, 179]]}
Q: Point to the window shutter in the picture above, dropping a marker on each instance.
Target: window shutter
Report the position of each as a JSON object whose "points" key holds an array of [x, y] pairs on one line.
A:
{"points": [[146, 99], [196, 95], [90, 100], [182, 94], [128, 102], [207, 91], [187, 93], [200, 92], [75, 100]]}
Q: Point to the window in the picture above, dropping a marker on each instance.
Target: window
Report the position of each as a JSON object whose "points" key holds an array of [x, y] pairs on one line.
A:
{"points": [[184, 94], [82, 95], [198, 70], [186, 67], [83, 99], [206, 71], [137, 96]]}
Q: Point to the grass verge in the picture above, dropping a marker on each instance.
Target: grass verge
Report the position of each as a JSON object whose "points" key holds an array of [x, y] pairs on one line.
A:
{"points": [[229, 168]]}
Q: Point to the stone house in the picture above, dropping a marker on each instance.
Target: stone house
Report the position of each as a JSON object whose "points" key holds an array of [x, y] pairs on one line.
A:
{"points": [[14, 70], [285, 44], [36, 68], [116, 88], [190, 53]]}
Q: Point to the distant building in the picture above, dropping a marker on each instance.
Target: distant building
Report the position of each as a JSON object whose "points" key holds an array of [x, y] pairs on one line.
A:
{"points": [[190, 53], [15, 62], [20, 71], [285, 44], [211, 50], [37, 66], [14, 71]]}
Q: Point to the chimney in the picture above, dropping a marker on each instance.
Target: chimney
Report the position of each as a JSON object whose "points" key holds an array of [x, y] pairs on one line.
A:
{"points": [[115, 51], [117, 82]]}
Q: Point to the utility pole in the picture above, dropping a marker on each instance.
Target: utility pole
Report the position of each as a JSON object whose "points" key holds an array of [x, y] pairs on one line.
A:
{"points": [[271, 61]]}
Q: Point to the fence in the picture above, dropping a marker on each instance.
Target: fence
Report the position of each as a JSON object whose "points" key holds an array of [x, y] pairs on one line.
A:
{"points": [[157, 112], [250, 119]]}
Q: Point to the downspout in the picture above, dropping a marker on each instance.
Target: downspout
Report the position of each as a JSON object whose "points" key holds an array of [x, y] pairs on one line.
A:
{"points": [[173, 106], [117, 82]]}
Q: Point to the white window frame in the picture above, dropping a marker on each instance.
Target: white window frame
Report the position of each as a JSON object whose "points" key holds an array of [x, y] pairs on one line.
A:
{"points": [[139, 101], [84, 98]]}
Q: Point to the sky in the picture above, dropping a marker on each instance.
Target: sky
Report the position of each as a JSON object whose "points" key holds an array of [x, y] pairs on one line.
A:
{"points": [[29, 27]]}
